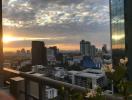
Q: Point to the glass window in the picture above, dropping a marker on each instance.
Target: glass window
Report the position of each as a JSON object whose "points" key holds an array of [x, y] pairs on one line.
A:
{"points": [[117, 24], [117, 30]]}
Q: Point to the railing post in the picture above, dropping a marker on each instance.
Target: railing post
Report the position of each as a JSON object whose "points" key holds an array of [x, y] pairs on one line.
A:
{"points": [[42, 91], [63, 93], [16, 85], [66, 95], [1, 48], [27, 89]]}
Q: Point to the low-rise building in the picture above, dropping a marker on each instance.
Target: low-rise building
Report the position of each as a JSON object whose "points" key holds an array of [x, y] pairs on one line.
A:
{"points": [[88, 78]]}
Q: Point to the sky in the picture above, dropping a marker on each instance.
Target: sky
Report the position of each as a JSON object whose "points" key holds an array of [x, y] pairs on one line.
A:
{"points": [[63, 23]]}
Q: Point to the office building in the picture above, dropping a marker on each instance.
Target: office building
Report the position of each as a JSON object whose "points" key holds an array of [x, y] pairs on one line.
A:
{"points": [[121, 31], [39, 55], [85, 47], [88, 78], [82, 47], [92, 51], [117, 30], [51, 56]]}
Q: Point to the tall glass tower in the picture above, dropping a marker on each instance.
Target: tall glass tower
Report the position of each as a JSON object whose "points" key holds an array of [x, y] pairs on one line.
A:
{"points": [[117, 29], [121, 31]]}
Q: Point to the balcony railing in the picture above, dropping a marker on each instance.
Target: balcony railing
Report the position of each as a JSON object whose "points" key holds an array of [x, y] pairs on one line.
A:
{"points": [[45, 81]]}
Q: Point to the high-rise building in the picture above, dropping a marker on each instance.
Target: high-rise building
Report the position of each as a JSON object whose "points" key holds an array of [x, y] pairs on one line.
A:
{"points": [[82, 47], [117, 29], [121, 31], [85, 47], [92, 51], [39, 55]]}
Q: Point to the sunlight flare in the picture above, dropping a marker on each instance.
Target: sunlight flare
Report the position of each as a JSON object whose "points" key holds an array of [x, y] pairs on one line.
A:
{"points": [[9, 38]]}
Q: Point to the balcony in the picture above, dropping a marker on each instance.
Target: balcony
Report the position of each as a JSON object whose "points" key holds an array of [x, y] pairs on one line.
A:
{"points": [[25, 86]]}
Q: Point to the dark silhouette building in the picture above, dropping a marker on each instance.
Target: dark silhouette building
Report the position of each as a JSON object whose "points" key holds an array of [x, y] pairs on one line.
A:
{"points": [[121, 31], [39, 54]]}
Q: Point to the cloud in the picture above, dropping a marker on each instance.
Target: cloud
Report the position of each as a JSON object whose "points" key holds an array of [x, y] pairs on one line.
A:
{"points": [[45, 12], [74, 19]]}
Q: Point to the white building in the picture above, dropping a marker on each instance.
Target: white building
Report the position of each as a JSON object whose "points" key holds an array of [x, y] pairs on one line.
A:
{"points": [[51, 57], [26, 62], [60, 73], [98, 61], [37, 68], [51, 93], [71, 75], [88, 78]]}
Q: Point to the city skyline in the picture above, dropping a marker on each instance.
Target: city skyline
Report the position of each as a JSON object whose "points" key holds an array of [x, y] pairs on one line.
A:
{"points": [[58, 23], [47, 47]]}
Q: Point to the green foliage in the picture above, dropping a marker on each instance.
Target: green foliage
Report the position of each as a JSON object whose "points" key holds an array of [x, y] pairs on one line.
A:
{"points": [[69, 94], [119, 79], [76, 96], [119, 73], [97, 95]]}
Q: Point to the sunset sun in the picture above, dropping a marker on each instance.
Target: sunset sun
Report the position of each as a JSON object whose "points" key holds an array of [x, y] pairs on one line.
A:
{"points": [[8, 39]]}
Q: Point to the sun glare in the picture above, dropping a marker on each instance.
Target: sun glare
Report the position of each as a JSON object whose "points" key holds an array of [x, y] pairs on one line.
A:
{"points": [[8, 39], [118, 37]]}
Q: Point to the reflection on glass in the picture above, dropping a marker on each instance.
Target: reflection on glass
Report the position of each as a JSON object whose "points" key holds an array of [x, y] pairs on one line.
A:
{"points": [[117, 24], [117, 30]]}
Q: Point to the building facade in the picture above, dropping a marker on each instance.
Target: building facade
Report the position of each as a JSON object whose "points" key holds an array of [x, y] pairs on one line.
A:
{"points": [[92, 51], [117, 29], [39, 54], [121, 31], [88, 78], [86, 48], [82, 47]]}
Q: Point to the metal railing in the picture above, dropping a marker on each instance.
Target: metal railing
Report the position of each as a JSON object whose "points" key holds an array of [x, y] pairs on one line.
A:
{"points": [[42, 82], [45, 81]]}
